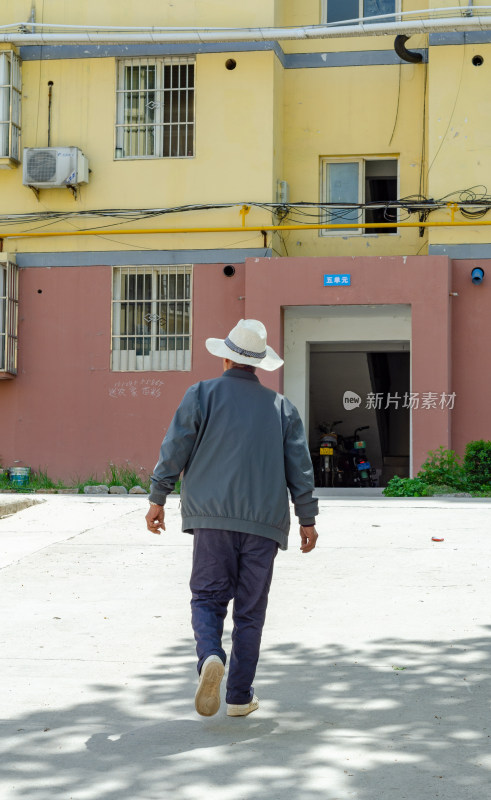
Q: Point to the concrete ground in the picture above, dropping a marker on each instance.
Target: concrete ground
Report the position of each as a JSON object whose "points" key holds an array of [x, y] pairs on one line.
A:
{"points": [[374, 678]]}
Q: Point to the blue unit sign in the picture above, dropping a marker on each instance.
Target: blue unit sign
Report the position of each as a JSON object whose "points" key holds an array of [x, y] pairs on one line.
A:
{"points": [[337, 280]]}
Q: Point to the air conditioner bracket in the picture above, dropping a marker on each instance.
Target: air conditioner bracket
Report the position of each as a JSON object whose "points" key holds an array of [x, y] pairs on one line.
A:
{"points": [[72, 187]]}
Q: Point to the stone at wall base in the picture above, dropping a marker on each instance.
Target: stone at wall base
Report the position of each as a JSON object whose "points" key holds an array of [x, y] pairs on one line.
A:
{"points": [[137, 490], [99, 489], [118, 490]]}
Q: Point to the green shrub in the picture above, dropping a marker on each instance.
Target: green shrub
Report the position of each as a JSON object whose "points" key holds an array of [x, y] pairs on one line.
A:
{"points": [[444, 472], [477, 464], [443, 468], [407, 487]]}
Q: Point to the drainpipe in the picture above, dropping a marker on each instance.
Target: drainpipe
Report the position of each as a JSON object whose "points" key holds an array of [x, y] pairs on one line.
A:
{"points": [[50, 98], [407, 55], [468, 11]]}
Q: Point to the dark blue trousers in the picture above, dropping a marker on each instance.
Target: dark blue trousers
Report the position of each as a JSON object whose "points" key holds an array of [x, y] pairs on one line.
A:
{"points": [[226, 565]]}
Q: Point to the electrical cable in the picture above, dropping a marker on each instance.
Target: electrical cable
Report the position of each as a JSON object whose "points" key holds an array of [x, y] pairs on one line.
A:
{"points": [[473, 203]]}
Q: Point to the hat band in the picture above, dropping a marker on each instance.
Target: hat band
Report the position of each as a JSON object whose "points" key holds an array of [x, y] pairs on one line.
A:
{"points": [[242, 352]]}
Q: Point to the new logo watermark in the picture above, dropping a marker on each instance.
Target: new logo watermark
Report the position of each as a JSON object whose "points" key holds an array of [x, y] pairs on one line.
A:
{"points": [[380, 401], [351, 400]]}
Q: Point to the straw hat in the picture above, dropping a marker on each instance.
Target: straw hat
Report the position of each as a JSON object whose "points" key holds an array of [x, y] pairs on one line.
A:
{"points": [[246, 344]]}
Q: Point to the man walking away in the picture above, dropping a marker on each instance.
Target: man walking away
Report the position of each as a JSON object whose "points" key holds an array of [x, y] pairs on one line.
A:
{"points": [[242, 447]]}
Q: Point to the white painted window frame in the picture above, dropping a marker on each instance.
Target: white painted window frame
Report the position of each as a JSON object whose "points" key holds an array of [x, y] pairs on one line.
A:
{"points": [[324, 6], [175, 359], [325, 162], [161, 94], [361, 161], [9, 316], [10, 105]]}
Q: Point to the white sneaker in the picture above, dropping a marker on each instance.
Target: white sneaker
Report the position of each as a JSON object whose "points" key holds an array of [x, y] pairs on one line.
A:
{"points": [[243, 710], [207, 698]]}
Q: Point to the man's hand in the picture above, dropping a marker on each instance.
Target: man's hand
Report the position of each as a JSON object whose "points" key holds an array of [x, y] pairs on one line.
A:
{"points": [[309, 538], [155, 519]]}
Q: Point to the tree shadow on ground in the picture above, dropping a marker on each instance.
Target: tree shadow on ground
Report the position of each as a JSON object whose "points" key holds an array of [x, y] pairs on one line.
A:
{"points": [[406, 719]]}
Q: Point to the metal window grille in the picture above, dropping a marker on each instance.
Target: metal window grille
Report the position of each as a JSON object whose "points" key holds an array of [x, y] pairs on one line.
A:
{"points": [[155, 108], [151, 320], [9, 294], [10, 105]]}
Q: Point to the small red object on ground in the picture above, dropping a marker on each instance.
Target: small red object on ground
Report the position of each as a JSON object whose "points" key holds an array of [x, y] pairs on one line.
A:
{"points": [[436, 539]]}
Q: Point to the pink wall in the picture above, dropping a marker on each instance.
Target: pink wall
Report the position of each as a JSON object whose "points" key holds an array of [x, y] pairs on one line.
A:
{"points": [[66, 411], [471, 337]]}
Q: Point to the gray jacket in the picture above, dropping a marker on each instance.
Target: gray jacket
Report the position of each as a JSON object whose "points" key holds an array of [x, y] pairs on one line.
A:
{"points": [[241, 446]]}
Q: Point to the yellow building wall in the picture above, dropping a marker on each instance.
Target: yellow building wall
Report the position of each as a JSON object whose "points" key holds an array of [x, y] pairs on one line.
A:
{"points": [[353, 112], [459, 134], [452, 4], [217, 13], [177, 13], [233, 161], [255, 125]]}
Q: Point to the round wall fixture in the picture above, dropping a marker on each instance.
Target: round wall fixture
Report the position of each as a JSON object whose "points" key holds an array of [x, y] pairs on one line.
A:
{"points": [[230, 63], [477, 275], [229, 270], [477, 61]]}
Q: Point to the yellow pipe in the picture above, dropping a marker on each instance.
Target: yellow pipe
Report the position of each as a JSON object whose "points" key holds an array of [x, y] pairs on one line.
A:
{"points": [[249, 229], [453, 208], [243, 211]]}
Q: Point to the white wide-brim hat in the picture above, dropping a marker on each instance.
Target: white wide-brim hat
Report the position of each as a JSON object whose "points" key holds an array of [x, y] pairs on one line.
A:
{"points": [[246, 344]]}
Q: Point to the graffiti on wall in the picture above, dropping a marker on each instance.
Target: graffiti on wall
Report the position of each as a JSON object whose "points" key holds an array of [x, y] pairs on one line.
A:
{"points": [[145, 387]]}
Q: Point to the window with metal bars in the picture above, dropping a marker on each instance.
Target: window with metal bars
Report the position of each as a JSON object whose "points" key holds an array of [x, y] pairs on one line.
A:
{"points": [[151, 320], [10, 105], [155, 108], [9, 294]]}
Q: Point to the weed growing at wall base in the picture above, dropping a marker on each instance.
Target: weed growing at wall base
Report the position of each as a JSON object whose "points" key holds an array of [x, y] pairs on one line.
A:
{"points": [[39, 480], [128, 477]]}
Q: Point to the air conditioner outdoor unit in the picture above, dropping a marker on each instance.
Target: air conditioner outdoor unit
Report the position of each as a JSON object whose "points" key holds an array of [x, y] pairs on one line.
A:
{"points": [[53, 167]]}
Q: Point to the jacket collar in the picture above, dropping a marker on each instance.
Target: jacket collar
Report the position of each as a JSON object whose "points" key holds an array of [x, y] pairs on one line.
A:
{"points": [[236, 372]]}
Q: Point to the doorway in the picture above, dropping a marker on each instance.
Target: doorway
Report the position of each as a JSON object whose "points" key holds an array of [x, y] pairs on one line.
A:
{"points": [[362, 385], [361, 349]]}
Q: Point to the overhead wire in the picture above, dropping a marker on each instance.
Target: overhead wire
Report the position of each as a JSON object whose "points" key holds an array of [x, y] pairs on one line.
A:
{"points": [[472, 202]]}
